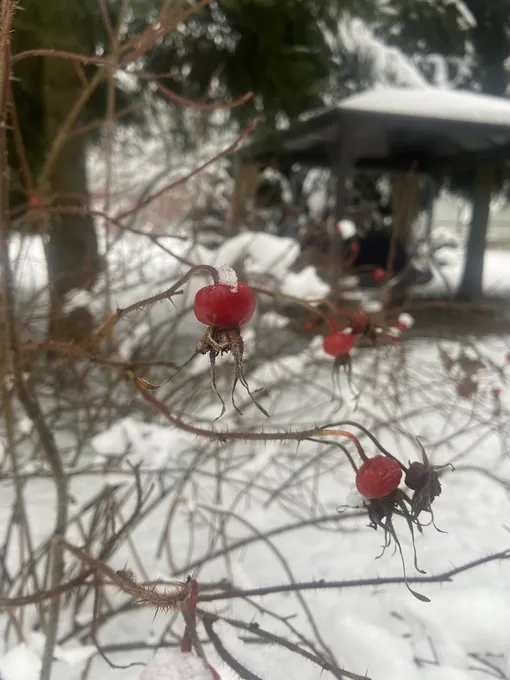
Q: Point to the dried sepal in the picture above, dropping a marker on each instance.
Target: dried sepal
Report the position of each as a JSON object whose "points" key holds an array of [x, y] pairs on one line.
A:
{"points": [[342, 363], [423, 479], [216, 342], [380, 513]]}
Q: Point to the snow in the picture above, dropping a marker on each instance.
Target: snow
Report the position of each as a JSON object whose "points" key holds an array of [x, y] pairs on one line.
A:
{"points": [[388, 65], [433, 103], [464, 11], [394, 332], [305, 284], [129, 437], [261, 253], [169, 664], [483, 611], [23, 661], [366, 648], [406, 320], [346, 228], [228, 277], [371, 306], [20, 662]]}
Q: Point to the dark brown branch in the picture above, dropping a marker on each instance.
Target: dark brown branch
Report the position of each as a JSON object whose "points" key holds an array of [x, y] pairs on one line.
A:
{"points": [[271, 638], [444, 577], [227, 657]]}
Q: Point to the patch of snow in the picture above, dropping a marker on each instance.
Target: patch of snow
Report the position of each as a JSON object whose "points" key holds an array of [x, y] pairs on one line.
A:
{"points": [[304, 284], [464, 11], [406, 320], [444, 673], [273, 320], [388, 65], [20, 663], [371, 306], [348, 282], [71, 655], [346, 228], [262, 253], [366, 647], [473, 619], [228, 277], [171, 664], [154, 445]]}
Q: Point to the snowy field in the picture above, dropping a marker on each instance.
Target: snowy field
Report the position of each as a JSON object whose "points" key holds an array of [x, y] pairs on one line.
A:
{"points": [[253, 514]]}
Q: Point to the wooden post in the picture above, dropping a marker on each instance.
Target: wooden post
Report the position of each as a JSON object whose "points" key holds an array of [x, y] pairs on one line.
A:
{"points": [[245, 186], [342, 163], [404, 199], [431, 194], [471, 286]]}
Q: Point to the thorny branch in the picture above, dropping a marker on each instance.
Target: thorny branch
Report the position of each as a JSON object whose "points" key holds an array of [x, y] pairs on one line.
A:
{"points": [[25, 393], [443, 577]]}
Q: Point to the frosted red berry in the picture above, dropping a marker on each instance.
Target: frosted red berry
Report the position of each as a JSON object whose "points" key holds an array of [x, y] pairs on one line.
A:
{"points": [[359, 322], [224, 306], [378, 477], [379, 274], [338, 344], [496, 392]]}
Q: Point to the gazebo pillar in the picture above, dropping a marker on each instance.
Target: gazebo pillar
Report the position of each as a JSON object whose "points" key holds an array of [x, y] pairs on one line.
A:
{"points": [[430, 198], [471, 285], [245, 186], [405, 193], [342, 160]]}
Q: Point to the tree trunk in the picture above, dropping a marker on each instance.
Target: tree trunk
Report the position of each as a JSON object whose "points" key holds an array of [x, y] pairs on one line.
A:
{"points": [[71, 248], [245, 187], [471, 286]]}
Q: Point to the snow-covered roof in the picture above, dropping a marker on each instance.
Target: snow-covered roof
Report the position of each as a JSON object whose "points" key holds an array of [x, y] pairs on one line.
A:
{"points": [[431, 102], [429, 128]]}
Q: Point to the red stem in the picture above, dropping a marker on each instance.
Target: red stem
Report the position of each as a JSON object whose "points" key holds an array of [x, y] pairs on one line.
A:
{"points": [[186, 644]]}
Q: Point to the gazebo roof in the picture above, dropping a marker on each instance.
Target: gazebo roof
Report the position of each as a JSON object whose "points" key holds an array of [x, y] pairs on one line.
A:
{"points": [[394, 129]]}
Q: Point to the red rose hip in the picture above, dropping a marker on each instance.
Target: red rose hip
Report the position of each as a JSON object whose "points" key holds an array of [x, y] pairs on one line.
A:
{"points": [[378, 477], [360, 321], [338, 344], [224, 306]]}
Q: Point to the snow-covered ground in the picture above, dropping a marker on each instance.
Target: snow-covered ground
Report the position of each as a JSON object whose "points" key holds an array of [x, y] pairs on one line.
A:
{"points": [[271, 513]]}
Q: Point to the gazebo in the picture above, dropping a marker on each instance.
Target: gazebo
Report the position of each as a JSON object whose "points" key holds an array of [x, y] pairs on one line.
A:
{"points": [[426, 131]]}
